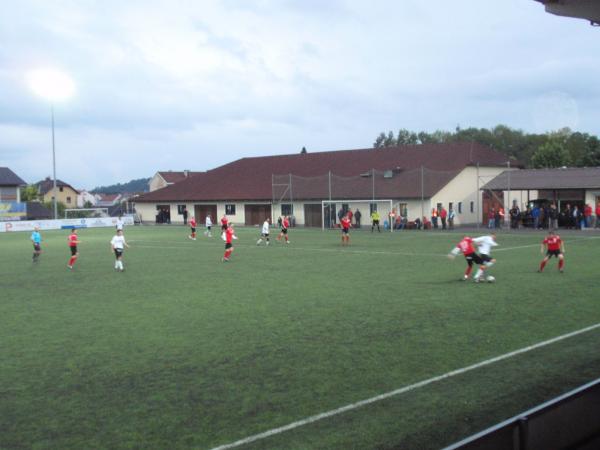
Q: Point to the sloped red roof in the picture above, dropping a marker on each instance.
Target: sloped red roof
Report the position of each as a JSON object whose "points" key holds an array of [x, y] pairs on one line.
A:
{"points": [[174, 177], [9, 178], [47, 185], [108, 197], [250, 179]]}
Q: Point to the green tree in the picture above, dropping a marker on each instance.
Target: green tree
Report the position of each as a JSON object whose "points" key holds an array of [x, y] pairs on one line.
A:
{"points": [[379, 140], [406, 137], [60, 208], [551, 154], [390, 140], [29, 193], [592, 155], [303, 151]]}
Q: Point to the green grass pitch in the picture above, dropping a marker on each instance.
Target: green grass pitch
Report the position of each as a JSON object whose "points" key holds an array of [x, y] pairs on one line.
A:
{"points": [[184, 351]]}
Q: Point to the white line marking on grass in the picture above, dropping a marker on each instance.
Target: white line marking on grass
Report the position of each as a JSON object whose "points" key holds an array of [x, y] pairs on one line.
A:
{"points": [[573, 241], [377, 398], [345, 250]]}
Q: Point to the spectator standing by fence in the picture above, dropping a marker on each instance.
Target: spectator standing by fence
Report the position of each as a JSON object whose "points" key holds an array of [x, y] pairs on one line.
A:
{"points": [[443, 217], [451, 216], [491, 218], [587, 214]]}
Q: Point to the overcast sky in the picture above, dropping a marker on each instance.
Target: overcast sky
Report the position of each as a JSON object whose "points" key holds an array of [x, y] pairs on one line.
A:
{"points": [[195, 84]]}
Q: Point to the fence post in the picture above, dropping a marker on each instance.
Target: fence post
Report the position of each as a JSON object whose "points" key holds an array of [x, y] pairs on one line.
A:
{"points": [[508, 194], [422, 193], [477, 193]]}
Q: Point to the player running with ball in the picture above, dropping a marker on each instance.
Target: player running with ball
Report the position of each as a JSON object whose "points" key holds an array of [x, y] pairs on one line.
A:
{"points": [[466, 247], [484, 245]]}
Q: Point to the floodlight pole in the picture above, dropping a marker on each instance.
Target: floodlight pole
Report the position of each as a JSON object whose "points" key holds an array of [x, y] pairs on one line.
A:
{"points": [[53, 166]]}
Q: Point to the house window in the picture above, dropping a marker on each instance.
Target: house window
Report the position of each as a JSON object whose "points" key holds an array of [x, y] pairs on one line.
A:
{"points": [[450, 205], [372, 207], [180, 209], [68, 199], [287, 209], [230, 210], [472, 206], [460, 207], [60, 189]]}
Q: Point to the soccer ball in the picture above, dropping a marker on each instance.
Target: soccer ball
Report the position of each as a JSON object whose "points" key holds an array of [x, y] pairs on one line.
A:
{"points": [[490, 279]]}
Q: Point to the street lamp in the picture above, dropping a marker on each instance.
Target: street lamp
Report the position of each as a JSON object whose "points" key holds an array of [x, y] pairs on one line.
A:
{"points": [[54, 86]]}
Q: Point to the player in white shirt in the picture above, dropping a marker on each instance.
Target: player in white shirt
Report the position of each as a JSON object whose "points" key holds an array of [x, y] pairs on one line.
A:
{"points": [[484, 245], [208, 223], [264, 234], [118, 244], [120, 224]]}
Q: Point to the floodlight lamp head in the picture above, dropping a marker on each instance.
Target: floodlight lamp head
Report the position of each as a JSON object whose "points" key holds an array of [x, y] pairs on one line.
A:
{"points": [[51, 84]]}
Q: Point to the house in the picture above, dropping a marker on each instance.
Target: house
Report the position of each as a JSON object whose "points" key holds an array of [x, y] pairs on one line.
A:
{"points": [[410, 179], [166, 178], [65, 194], [10, 184], [86, 197]]}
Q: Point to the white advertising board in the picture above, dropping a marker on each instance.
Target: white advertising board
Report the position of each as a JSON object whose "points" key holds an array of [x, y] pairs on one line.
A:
{"points": [[29, 225]]}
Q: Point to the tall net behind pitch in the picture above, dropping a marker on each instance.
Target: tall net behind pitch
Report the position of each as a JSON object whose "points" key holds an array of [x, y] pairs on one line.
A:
{"points": [[85, 213], [413, 193]]}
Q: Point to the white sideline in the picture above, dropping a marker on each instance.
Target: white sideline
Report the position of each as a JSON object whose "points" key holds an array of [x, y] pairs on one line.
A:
{"points": [[351, 406]]}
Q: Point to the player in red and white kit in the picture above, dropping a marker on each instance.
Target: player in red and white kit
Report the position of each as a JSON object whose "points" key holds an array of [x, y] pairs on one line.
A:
{"points": [[229, 236], [73, 240], [465, 246], [192, 236], [285, 224], [554, 246], [345, 223]]}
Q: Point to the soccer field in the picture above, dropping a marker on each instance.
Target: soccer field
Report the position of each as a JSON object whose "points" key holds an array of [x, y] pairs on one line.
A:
{"points": [[184, 351]]}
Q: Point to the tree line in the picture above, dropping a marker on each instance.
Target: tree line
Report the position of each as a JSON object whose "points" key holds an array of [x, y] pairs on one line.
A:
{"points": [[559, 148]]}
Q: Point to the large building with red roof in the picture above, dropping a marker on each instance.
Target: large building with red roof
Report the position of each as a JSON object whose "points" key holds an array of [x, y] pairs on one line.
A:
{"points": [[410, 179]]}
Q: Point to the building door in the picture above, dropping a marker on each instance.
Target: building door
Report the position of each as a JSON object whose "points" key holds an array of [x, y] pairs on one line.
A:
{"points": [[201, 211], [313, 215], [491, 199], [256, 214], [163, 213]]}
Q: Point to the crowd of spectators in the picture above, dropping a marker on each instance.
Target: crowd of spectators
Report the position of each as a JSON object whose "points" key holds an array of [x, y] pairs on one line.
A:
{"points": [[547, 216]]}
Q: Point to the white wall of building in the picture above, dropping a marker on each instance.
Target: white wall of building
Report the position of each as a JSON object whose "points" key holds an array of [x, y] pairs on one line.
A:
{"points": [[463, 191]]}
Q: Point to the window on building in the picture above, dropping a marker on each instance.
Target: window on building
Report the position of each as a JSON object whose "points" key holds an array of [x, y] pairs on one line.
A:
{"points": [[287, 209], [180, 209], [68, 199], [230, 210], [472, 206], [460, 207], [60, 189], [450, 205], [372, 208], [403, 209]]}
